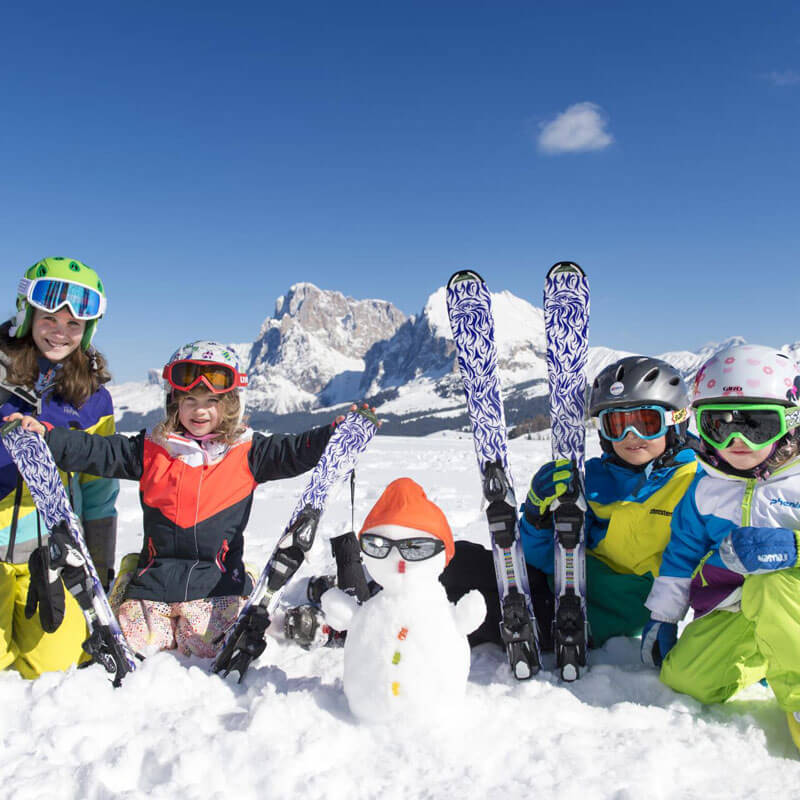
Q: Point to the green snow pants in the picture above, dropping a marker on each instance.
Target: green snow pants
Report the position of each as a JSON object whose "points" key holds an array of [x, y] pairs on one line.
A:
{"points": [[615, 602], [721, 653]]}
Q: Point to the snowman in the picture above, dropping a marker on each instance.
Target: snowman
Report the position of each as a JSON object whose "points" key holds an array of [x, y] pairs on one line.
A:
{"points": [[406, 651]]}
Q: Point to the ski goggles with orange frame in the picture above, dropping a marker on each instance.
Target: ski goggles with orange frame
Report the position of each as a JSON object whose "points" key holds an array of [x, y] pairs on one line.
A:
{"points": [[218, 378]]}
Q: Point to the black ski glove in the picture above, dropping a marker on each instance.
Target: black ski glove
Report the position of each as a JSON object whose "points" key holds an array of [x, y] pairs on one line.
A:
{"points": [[46, 589], [350, 576]]}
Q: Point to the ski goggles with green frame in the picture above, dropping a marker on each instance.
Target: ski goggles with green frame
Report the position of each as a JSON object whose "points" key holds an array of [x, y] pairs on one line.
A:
{"points": [[758, 425], [51, 294], [647, 422]]}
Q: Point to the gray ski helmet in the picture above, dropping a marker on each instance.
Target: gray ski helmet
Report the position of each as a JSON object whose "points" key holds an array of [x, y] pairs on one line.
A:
{"points": [[641, 381], [638, 381]]}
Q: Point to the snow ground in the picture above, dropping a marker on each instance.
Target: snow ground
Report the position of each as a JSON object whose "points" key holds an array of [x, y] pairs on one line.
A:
{"points": [[173, 730]]}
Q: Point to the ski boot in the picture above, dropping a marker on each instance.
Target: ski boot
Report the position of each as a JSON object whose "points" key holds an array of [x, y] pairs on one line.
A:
{"points": [[305, 626]]}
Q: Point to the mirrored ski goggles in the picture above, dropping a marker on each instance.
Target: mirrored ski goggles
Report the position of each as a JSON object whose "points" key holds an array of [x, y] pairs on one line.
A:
{"points": [[415, 549], [217, 378], [50, 294], [757, 425], [647, 422]]}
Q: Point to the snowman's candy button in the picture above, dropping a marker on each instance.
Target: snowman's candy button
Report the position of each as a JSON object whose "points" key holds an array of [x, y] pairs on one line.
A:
{"points": [[395, 688], [402, 635], [396, 657]]}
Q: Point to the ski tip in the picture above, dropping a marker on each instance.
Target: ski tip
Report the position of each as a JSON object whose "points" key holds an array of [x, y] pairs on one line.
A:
{"points": [[464, 275], [561, 267]]}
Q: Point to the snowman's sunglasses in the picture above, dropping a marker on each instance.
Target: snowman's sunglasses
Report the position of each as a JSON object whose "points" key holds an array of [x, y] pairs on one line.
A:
{"points": [[417, 549]]}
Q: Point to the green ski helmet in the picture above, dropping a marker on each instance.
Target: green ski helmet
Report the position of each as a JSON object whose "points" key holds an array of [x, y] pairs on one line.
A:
{"points": [[53, 283]]}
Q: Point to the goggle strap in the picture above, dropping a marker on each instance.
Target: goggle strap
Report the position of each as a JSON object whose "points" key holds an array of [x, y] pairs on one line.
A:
{"points": [[676, 417]]}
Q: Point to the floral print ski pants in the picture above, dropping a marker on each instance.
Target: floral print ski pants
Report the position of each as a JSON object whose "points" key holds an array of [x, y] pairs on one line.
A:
{"points": [[190, 627]]}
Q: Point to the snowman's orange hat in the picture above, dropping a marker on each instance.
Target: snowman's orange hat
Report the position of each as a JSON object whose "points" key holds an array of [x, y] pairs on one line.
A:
{"points": [[404, 504]]}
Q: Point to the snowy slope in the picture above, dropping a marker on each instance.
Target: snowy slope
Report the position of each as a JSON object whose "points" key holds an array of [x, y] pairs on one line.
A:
{"points": [[174, 731]]}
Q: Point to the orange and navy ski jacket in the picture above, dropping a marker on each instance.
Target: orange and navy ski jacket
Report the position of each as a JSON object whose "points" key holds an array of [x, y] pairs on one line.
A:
{"points": [[196, 500]]}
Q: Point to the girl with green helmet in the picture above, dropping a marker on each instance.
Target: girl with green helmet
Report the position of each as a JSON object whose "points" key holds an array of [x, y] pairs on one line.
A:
{"points": [[49, 368]]}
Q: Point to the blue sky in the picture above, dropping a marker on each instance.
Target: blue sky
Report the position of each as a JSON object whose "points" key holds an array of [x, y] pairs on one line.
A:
{"points": [[203, 157]]}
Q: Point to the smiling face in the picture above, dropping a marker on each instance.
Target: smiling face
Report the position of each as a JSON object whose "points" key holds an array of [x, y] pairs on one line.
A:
{"points": [[637, 451], [57, 334], [742, 457], [199, 412]]}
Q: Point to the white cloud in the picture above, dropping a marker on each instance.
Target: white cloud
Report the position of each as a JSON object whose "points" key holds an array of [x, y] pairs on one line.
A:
{"points": [[580, 128], [788, 77]]}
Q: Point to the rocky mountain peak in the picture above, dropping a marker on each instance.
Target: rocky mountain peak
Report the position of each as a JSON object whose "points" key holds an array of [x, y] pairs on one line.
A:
{"points": [[314, 336]]}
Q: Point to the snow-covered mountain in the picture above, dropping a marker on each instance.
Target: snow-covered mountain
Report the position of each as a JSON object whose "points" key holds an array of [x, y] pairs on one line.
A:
{"points": [[320, 350]]}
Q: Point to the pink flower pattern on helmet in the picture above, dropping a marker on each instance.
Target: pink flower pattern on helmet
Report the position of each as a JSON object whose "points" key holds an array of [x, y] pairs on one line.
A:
{"points": [[750, 372]]}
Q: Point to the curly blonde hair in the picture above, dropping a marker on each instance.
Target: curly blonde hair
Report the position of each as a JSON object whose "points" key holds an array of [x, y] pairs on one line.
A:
{"points": [[231, 424], [82, 372]]}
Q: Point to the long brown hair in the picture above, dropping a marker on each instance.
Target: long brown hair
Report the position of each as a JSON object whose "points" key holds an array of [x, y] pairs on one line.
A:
{"points": [[230, 425], [81, 374]]}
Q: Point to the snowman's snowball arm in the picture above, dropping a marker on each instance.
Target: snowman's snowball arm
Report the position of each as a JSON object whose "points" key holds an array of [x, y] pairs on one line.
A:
{"points": [[338, 608], [469, 612]]}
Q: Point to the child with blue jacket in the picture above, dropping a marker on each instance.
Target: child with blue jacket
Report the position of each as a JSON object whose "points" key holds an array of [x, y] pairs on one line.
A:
{"points": [[631, 490], [733, 552]]}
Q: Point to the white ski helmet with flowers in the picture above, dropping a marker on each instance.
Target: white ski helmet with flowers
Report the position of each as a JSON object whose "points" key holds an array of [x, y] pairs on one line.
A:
{"points": [[748, 373], [212, 365]]}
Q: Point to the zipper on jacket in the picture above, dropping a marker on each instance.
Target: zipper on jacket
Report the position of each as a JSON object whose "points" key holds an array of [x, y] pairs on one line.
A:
{"points": [[698, 570], [222, 555], [747, 501], [196, 516], [151, 553]]}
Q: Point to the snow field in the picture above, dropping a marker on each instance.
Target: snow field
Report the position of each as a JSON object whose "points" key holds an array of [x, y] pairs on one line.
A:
{"points": [[173, 730]]}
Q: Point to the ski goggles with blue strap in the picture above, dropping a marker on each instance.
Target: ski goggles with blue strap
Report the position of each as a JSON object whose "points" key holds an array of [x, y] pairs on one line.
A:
{"points": [[51, 294], [647, 422], [758, 425]]}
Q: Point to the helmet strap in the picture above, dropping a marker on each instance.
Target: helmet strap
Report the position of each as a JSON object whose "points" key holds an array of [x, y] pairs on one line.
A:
{"points": [[88, 334]]}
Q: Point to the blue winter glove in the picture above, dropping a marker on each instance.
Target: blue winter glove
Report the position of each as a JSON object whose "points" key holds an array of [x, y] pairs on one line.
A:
{"points": [[658, 638], [550, 481], [750, 551]]}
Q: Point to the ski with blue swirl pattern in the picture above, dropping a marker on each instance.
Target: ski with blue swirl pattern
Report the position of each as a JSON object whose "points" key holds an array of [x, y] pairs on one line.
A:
{"points": [[469, 307], [245, 642], [106, 643], [566, 318]]}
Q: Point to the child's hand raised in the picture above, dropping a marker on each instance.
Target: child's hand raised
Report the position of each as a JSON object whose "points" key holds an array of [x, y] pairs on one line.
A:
{"points": [[27, 423]]}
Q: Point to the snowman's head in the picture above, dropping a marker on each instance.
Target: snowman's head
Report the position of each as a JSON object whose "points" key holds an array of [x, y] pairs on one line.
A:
{"points": [[405, 538]]}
